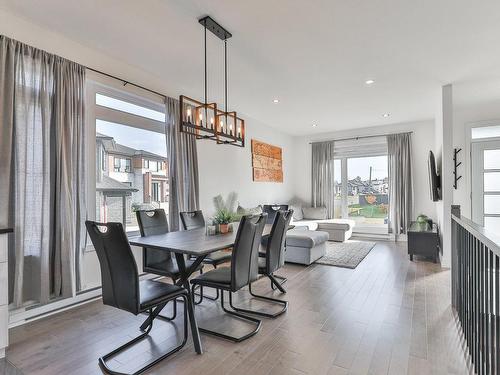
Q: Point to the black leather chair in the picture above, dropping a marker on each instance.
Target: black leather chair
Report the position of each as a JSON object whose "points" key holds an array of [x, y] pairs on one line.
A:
{"points": [[195, 220], [272, 260], [243, 270], [272, 209], [122, 289], [158, 262]]}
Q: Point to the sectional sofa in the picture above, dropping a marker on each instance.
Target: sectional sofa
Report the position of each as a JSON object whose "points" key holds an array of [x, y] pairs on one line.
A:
{"points": [[315, 218], [306, 243]]}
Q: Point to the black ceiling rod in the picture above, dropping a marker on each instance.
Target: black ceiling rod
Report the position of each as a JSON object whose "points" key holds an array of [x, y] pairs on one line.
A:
{"points": [[225, 75], [205, 31]]}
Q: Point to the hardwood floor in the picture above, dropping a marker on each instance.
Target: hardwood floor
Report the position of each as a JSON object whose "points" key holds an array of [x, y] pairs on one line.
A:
{"points": [[387, 316]]}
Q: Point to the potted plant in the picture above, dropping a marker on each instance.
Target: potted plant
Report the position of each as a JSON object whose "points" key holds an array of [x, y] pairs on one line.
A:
{"points": [[222, 218], [224, 212]]}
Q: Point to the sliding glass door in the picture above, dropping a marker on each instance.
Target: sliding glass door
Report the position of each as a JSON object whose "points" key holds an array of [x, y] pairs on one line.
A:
{"points": [[367, 194], [362, 185]]}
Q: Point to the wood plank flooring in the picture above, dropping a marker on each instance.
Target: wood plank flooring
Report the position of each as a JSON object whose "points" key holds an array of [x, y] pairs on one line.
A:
{"points": [[387, 316]]}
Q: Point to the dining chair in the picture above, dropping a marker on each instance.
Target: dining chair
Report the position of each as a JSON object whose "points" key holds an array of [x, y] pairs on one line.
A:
{"points": [[272, 260], [122, 289], [272, 209], [195, 220], [243, 271], [159, 262]]}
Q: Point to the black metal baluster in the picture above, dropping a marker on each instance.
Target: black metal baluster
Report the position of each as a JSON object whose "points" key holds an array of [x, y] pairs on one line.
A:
{"points": [[470, 286], [466, 286], [490, 309], [482, 315], [461, 283], [475, 306], [497, 322], [486, 311], [481, 307]]}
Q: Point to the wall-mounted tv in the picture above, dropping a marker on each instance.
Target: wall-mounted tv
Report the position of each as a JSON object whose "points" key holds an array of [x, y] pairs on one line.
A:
{"points": [[434, 179]]}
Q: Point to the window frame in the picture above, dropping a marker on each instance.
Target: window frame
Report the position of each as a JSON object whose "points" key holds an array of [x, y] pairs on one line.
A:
{"points": [[124, 165], [96, 84]]}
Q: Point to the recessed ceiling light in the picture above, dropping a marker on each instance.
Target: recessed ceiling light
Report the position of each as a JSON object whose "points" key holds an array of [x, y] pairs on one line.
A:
{"points": [[276, 101], [386, 115], [314, 125], [369, 82]]}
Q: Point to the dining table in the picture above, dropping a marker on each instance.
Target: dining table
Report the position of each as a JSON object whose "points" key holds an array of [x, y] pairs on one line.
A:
{"points": [[196, 244]]}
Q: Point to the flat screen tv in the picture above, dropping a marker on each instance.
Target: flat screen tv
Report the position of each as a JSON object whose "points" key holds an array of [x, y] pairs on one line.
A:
{"points": [[434, 179]]}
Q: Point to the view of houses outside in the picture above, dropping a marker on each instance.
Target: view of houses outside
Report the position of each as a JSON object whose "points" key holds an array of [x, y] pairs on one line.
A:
{"points": [[367, 190], [131, 172]]}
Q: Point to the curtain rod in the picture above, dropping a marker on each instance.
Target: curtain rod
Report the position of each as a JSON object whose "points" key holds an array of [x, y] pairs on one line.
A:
{"points": [[360, 137], [125, 82]]}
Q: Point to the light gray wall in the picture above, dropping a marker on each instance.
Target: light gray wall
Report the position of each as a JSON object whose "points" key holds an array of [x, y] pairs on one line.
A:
{"points": [[422, 142], [225, 168]]}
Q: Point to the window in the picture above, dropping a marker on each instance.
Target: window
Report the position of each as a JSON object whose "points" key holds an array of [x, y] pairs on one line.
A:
{"points": [[120, 105], [155, 192], [122, 165], [103, 159], [485, 132], [362, 183], [367, 195], [337, 177], [152, 165], [126, 128]]}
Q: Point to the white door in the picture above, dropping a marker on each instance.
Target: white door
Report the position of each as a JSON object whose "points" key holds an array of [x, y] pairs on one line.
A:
{"points": [[486, 184]]}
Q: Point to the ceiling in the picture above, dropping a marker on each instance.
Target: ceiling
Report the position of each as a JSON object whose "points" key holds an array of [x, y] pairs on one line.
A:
{"points": [[314, 56]]}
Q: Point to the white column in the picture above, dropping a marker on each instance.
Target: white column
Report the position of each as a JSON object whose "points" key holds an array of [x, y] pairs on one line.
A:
{"points": [[4, 295], [444, 156]]}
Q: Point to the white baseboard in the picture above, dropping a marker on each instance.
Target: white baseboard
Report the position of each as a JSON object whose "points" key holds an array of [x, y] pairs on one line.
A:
{"points": [[22, 316]]}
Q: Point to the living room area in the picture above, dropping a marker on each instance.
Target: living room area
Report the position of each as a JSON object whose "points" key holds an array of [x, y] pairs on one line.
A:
{"points": [[259, 187]]}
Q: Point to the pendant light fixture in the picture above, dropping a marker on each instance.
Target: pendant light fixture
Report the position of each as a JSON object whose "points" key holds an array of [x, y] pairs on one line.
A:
{"points": [[204, 119]]}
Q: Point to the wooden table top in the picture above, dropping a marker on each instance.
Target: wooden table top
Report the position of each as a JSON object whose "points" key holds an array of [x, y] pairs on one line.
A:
{"points": [[191, 242]]}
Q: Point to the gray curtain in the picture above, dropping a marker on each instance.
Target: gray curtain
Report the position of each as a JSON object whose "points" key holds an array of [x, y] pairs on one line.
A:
{"points": [[322, 176], [42, 114], [400, 182], [183, 181]]}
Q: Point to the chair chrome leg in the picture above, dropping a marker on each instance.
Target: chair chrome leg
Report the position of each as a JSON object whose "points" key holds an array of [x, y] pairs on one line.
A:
{"points": [[276, 283], [282, 278], [104, 358], [265, 298], [174, 312], [255, 321], [169, 318], [202, 296]]}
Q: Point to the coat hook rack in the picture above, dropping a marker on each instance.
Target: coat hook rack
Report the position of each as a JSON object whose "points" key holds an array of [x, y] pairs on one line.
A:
{"points": [[456, 164]]}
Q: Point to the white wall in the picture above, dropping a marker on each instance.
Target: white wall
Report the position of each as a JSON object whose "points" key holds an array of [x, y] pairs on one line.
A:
{"points": [[422, 142], [223, 168], [444, 161]]}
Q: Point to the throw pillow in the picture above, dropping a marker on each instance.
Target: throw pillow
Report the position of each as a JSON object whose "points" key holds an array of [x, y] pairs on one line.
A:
{"points": [[314, 213], [297, 212], [249, 211]]}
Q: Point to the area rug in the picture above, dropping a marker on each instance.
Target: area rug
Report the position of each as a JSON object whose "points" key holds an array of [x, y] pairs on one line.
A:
{"points": [[346, 254]]}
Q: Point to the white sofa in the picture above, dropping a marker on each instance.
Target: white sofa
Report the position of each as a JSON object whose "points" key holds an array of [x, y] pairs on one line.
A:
{"points": [[314, 218]]}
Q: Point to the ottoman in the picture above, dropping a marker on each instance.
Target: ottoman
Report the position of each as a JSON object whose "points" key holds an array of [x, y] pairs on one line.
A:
{"points": [[340, 230], [305, 246]]}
